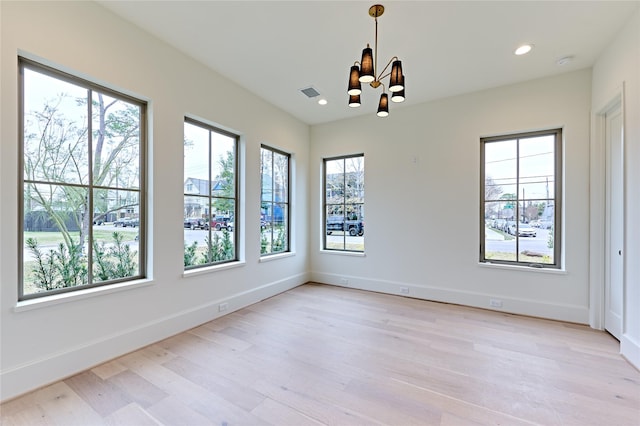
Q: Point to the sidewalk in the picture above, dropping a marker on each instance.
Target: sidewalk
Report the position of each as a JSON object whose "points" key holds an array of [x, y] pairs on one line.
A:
{"points": [[490, 234]]}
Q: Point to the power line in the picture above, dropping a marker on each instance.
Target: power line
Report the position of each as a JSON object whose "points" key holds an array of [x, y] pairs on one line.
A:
{"points": [[515, 158]]}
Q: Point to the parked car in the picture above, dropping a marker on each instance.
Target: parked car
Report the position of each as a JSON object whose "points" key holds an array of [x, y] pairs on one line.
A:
{"points": [[546, 224], [508, 226], [339, 223], [220, 222], [524, 230], [121, 222], [498, 224], [195, 223]]}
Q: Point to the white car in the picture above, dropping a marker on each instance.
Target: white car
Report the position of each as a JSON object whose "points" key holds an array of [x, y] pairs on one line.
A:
{"points": [[524, 230]]}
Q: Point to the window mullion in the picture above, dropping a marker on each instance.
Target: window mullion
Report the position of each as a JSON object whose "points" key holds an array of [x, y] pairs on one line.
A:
{"points": [[272, 201], [90, 185], [210, 192], [344, 202], [517, 233]]}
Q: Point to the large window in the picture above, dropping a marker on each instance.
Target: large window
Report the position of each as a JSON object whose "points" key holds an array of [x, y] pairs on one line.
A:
{"points": [[274, 201], [82, 208], [210, 195], [344, 203], [521, 194]]}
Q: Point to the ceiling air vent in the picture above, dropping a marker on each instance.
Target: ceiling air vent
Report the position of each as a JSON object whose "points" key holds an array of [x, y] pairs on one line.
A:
{"points": [[310, 91]]}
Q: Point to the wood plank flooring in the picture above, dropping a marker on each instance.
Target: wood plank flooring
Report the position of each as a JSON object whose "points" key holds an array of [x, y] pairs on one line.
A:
{"points": [[327, 355]]}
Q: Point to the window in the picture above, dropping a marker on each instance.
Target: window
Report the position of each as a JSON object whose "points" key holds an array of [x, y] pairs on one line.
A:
{"points": [[274, 201], [82, 211], [344, 203], [521, 193], [210, 195]]}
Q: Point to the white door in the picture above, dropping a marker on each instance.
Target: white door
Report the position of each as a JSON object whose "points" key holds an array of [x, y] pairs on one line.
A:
{"points": [[614, 227]]}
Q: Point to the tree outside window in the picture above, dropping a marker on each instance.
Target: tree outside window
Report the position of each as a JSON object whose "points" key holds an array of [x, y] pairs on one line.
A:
{"points": [[83, 174]]}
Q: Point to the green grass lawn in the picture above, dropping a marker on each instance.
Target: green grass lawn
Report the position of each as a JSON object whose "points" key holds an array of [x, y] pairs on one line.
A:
{"points": [[496, 255], [350, 245], [54, 238]]}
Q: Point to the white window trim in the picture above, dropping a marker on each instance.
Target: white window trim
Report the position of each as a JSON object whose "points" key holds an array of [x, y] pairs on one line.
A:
{"points": [[73, 296]]}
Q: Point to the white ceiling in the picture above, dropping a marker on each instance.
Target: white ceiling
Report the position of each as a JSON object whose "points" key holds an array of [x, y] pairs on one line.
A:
{"points": [[276, 48]]}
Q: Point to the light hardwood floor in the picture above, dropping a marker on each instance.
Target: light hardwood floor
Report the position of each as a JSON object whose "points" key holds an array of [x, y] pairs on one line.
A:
{"points": [[327, 355]]}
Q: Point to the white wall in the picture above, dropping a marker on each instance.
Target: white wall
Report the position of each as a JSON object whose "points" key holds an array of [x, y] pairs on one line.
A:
{"points": [[422, 222], [619, 66], [52, 341]]}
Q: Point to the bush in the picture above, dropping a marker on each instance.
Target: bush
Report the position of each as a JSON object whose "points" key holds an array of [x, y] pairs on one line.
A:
{"points": [[64, 267], [220, 249], [67, 266], [117, 261]]}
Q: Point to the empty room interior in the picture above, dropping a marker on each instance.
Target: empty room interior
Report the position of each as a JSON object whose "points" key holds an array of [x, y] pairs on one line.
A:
{"points": [[457, 247]]}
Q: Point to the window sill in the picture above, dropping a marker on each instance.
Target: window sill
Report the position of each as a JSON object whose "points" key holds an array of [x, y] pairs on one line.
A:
{"points": [[212, 268], [522, 268], [276, 256], [343, 253], [56, 299]]}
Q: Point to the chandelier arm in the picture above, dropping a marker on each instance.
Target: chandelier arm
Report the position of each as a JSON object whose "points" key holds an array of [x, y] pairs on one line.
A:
{"points": [[395, 58]]}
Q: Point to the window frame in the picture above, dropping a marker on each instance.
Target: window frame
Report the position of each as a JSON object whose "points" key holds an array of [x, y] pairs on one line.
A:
{"points": [[344, 204], [287, 213], [91, 87], [557, 198], [236, 196]]}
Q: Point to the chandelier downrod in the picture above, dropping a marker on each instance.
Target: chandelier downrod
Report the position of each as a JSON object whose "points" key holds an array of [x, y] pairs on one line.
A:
{"points": [[375, 11]]}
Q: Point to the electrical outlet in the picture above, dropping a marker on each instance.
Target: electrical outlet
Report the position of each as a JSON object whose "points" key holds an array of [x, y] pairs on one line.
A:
{"points": [[223, 307], [344, 281], [404, 290], [495, 303]]}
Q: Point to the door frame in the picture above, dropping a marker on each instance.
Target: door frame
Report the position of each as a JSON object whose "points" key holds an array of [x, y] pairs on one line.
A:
{"points": [[597, 209]]}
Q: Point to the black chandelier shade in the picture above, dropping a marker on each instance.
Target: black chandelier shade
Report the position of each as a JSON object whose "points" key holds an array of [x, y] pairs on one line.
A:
{"points": [[354, 101], [395, 82], [399, 95], [367, 71], [383, 106], [355, 88]]}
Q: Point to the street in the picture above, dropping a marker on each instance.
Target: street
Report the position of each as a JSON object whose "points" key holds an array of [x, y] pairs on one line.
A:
{"points": [[495, 242]]}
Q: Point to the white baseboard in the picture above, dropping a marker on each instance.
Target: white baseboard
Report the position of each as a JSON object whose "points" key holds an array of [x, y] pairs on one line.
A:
{"points": [[630, 349], [56, 366], [534, 308]]}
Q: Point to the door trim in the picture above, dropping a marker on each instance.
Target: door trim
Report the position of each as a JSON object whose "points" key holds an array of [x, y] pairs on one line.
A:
{"points": [[597, 209]]}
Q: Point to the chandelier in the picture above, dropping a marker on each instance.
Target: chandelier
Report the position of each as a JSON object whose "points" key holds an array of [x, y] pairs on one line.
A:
{"points": [[365, 71]]}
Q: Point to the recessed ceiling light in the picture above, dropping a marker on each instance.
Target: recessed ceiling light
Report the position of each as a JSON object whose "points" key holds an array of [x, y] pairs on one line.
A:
{"points": [[524, 49], [322, 101]]}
